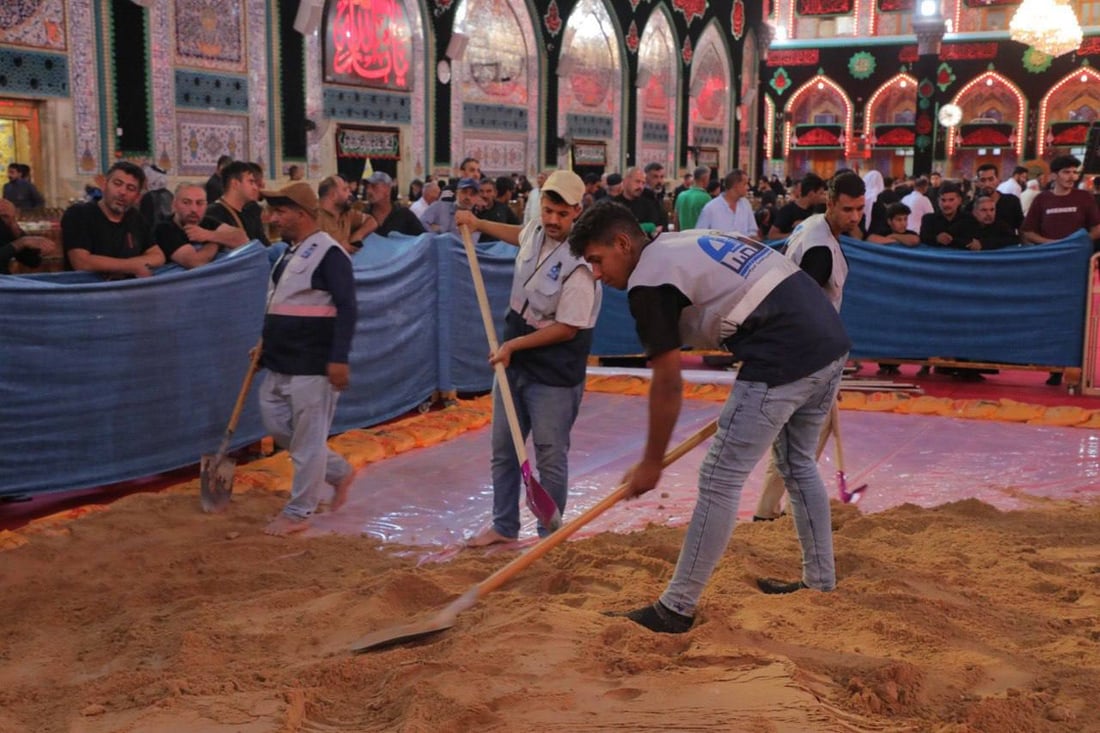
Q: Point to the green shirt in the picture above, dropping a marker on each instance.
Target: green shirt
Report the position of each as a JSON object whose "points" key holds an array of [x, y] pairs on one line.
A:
{"points": [[688, 205]]}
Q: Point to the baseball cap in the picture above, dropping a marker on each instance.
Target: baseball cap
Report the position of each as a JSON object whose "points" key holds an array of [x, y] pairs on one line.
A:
{"points": [[614, 179], [380, 177], [566, 184], [298, 194], [468, 183]]}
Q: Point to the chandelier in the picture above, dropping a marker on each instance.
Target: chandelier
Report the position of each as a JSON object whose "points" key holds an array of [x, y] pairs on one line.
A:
{"points": [[1047, 25]]}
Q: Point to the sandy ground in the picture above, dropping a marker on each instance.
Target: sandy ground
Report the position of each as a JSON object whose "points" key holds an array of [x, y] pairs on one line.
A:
{"points": [[153, 617]]}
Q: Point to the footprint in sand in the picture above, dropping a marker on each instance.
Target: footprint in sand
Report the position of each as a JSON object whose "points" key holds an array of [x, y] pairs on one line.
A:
{"points": [[624, 693]]}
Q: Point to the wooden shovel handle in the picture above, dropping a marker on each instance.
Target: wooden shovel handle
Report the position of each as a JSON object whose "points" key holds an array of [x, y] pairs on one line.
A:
{"points": [[238, 408], [494, 345], [834, 423], [506, 573]]}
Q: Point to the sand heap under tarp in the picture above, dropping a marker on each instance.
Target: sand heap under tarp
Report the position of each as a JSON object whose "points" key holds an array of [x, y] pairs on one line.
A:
{"points": [[153, 617]]}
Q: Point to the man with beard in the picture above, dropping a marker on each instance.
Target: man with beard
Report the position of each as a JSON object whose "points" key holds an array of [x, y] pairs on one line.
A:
{"points": [[386, 217], [950, 226], [188, 210], [109, 236], [337, 218], [547, 336], [990, 234], [1008, 210], [236, 211]]}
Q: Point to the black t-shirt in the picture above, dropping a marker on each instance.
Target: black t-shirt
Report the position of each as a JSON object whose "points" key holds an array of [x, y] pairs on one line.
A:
{"points": [[656, 312], [170, 237], [645, 209], [402, 221], [500, 213], [250, 218], [85, 226], [961, 229], [789, 215]]}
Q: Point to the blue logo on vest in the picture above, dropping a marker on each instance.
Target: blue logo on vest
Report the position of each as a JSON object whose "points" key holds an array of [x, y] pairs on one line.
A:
{"points": [[305, 255], [732, 253], [555, 272]]}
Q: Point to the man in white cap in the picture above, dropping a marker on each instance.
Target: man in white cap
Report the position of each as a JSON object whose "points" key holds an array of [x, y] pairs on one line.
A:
{"points": [[547, 336], [307, 335]]}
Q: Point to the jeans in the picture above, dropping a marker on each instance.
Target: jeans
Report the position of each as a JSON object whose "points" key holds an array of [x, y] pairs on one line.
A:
{"points": [[297, 410], [788, 418], [770, 505], [546, 414]]}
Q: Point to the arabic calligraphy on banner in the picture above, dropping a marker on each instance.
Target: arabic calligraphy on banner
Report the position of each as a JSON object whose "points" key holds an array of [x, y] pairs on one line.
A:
{"points": [[368, 43], [368, 142]]}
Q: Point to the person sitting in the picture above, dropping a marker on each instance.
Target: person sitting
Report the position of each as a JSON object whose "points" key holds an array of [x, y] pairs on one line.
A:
{"points": [[440, 216], [188, 210], [951, 226], [811, 193], [20, 191], [27, 252], [731, 212], [239, 223], [990, 233], [337, 217], [385, 216], [109, 236], [897, 219]]}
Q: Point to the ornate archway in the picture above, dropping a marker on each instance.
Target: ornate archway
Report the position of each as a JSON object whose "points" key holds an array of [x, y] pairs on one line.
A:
{"points": [[711, 101], [817, 127], [658, 91], [1068, 110]]}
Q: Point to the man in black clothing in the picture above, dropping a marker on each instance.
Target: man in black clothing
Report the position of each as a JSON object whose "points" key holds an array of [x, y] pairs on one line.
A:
{"points": [[645, 208], [385, 216], [497, 196], [811, 194], [215, 185], [951, 226], [1009, 211], [239, 222], [990, 233], [109, 236], [188, 207]]}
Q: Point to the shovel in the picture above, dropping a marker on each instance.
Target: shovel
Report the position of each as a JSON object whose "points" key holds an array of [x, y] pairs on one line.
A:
{"points": [[846, 496], [445, 618], [539, 501], [216, 484]]}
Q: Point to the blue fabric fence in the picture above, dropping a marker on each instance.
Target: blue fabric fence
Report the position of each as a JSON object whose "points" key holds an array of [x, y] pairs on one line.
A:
{"points": [[107, 381]]}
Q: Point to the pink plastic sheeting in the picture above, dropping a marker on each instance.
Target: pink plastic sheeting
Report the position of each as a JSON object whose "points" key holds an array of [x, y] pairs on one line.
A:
{"points": [[440, 496]]}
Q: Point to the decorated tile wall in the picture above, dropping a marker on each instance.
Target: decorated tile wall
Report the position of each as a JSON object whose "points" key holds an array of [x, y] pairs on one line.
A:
{"points": [[595, 126], [211, 91], [497, 155], [210, 34], [256, 33], [345, 103], [655, 132], [494, 117], [37, 73], [85, 87], [204, 137], [161, 83], [34, 23]]}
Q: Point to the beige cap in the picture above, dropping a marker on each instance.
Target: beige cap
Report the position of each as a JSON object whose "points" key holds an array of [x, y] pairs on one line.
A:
{"points": [[566, 184], [299, 194]]}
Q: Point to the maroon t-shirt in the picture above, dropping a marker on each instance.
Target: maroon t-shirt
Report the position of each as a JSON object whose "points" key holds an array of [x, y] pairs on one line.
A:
{"points": [[1057, 217]]}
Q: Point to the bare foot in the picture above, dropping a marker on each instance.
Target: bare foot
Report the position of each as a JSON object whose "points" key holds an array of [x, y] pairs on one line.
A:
{"points": [[488, 536], [282, 526], [340, 496]]}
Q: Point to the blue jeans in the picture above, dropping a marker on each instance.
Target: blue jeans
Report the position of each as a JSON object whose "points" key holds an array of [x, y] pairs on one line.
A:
{"points": [[788, 418], [546, 414], [297, 410]]}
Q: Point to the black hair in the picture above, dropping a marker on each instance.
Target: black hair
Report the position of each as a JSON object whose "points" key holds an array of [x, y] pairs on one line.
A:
{"points": [[897, 209], [847, 183], [989, 166], [1064, 161], [130, 169], [600, 222], [951, 187], [654, 166], [812, 182], [235, 171], [505, 184]]}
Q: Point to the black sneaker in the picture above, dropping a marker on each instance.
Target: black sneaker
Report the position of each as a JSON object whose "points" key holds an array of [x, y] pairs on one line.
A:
{"points": [[1055, 379], [773, 587], [657, 617]]}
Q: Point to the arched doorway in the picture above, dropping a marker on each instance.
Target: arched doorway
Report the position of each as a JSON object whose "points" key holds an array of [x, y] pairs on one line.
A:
{"points": [[888, 130], [1068, 111], [711, 102], [658, 83], [817, 128], [993, 128]]}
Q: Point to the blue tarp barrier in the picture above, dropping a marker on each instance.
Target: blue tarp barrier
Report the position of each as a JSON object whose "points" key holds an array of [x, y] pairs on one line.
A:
{"points": [[108, 381], [1018, 305]]}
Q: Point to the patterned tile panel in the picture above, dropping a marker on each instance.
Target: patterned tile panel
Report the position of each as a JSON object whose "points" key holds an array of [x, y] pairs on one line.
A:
{"points": [[367, 106], [35, 23], [85, 87], [256, 29], [209, 34], [161, 81], [203, 138], [498, 155], [654, 132], [34, 72], [589, 126], [211, 91], [494, 117], [708, 135]]}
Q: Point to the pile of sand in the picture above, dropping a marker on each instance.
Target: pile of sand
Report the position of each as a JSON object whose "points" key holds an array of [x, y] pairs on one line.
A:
{"points": [[155, 618]]}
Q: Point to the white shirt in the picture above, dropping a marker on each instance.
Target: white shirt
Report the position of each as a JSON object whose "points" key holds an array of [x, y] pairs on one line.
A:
{"points": [[1011, 186], [717, 216], [532, 211], [919, 205], [418, 207]]}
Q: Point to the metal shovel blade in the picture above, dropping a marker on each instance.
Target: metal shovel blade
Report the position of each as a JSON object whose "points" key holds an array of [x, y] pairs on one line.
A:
{"points": [[539, 501], [216, 482], [441, 621]]}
